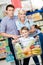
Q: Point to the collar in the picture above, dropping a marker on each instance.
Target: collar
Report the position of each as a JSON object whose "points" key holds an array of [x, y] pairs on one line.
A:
{"points": [[10, 18], [24, 21]]}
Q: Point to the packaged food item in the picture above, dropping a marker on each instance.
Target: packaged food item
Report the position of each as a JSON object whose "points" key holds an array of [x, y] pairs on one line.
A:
{"points": [[36, 51], [7, 49], [18, 51], [36, 16], [4, 48], [27, 52], [10, 58], [22, 53]]}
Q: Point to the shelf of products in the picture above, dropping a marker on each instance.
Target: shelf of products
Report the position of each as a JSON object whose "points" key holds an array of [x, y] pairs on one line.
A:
{"points": [[37, 17], [4, 48], [38, 20], [2, 9]]}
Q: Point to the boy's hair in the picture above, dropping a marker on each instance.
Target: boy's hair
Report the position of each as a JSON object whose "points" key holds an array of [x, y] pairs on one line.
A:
{"points": [[10, 5], [24, 28]]}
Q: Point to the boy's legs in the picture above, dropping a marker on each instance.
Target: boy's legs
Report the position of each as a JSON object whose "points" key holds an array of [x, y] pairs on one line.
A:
{"points": [[26, 61]]}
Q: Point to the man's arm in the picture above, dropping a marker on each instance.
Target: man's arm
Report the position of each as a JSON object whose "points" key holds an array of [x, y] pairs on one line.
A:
{"points": [[9, 35], [3, 30]]}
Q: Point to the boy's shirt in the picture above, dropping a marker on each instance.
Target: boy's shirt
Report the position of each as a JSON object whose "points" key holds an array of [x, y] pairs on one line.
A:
{"points": [[26, 41]]}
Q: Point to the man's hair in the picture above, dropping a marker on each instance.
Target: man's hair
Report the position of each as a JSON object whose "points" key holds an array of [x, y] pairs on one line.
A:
{"points": [[24, 28], [10, 5]]}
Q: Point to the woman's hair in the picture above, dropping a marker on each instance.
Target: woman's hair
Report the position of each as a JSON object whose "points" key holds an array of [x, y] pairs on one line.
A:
{"points": [[24, 28], [21, 11], [37, 27]]}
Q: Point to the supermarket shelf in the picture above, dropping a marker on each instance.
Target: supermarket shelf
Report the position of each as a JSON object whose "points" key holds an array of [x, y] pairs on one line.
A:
{"points": [[39, 20], [36, 11], [4, 48]]}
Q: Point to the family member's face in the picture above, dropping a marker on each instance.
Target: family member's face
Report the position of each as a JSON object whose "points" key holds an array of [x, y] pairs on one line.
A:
{"points": [[25, 33], [22, 16], [10, 11]]}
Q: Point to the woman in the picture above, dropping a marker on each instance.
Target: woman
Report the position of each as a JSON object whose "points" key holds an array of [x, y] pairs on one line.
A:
{"points": [[22, 20]]}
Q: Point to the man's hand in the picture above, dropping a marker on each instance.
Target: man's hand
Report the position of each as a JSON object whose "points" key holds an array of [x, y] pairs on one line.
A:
{"points": [[15, 37], [14, 41]]}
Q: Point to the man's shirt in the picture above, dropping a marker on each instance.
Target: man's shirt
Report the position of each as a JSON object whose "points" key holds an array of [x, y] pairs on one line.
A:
{"points": [[8, 25]]}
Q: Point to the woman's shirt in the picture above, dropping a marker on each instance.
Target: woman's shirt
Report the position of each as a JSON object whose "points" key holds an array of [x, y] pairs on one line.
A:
{"points": [[19, 24], [26, 41]]}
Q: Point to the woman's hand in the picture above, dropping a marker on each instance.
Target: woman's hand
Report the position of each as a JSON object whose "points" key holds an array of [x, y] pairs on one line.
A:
{"points": [[36, 38]]}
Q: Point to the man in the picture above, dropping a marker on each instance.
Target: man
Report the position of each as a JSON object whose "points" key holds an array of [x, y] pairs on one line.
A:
{"points": [[9, 29]]}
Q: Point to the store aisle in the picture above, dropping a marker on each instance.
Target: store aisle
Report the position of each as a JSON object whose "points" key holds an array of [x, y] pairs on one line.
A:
{"points": [[30, 63], [4, 63]]}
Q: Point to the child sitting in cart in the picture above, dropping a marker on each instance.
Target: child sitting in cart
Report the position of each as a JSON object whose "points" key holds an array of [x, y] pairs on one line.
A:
{"points": [[26, 46]]}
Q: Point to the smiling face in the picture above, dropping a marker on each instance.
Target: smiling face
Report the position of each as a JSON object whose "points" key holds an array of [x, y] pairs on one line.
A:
{"points": [[22, 15], [25, 33], [10, 11]]}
